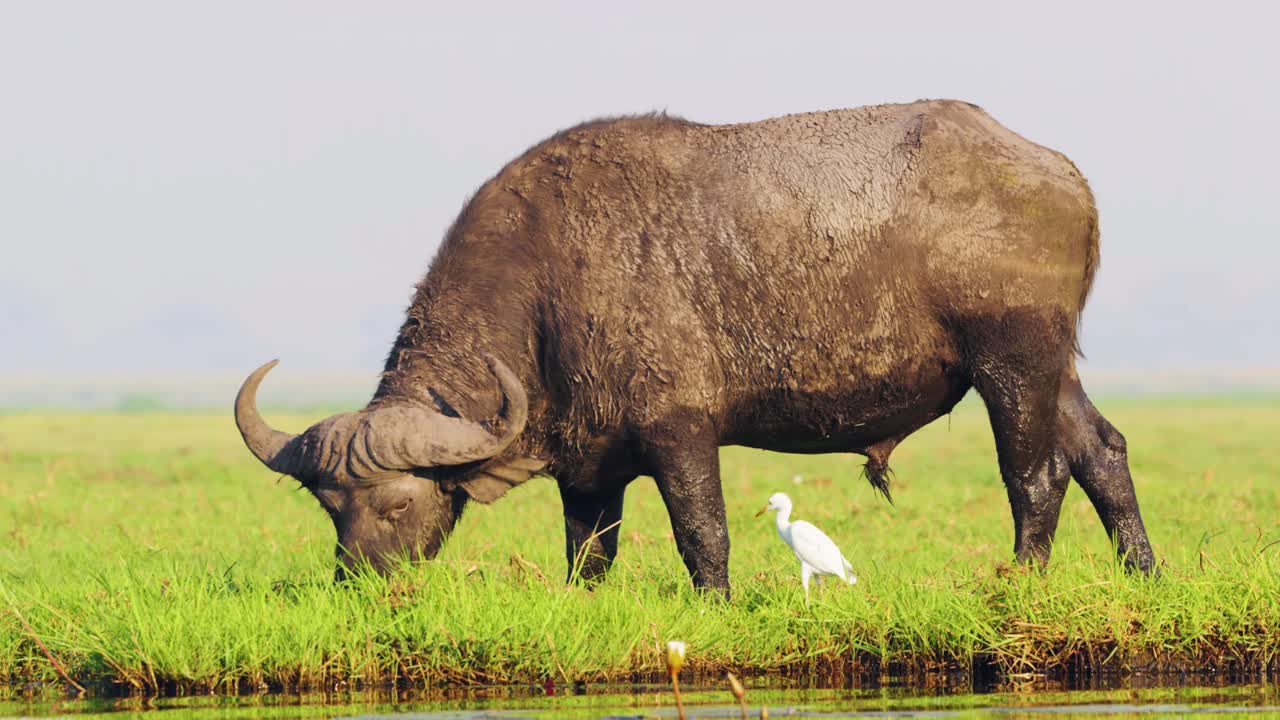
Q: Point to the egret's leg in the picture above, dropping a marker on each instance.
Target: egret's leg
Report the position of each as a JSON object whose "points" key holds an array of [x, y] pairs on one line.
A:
{"points": [[805, 573], [683, 454], [591, 524]]}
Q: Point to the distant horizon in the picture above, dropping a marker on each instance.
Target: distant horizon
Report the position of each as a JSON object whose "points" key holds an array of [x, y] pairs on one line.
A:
{"points": [[307, 391]]}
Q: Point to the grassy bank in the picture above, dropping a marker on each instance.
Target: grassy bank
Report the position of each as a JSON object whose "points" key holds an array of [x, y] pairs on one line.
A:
{"points": [[153, 551]]}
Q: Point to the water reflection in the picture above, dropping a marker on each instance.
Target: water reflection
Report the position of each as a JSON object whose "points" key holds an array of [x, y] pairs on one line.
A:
{"points": [[944, 696]]}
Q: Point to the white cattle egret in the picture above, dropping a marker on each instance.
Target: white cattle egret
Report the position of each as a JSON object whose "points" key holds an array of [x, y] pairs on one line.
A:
{"points": [[818, 555]]}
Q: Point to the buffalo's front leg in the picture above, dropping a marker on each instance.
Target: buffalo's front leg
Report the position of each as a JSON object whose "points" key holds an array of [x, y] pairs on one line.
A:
{"points": [[685, 459], [591, 524]]}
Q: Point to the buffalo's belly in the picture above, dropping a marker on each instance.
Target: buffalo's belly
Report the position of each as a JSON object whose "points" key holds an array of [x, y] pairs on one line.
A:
{"points": [[849, 418]]}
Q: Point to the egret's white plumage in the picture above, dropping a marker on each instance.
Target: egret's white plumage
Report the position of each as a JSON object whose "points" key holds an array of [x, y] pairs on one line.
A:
{"points": [[818, 555]]}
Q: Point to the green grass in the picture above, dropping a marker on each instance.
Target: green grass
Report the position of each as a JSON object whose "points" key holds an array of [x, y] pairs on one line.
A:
{"points": [[152, 550]]}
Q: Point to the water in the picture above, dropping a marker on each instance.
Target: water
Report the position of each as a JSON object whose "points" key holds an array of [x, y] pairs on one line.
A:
{"points": [[1034, 698]]}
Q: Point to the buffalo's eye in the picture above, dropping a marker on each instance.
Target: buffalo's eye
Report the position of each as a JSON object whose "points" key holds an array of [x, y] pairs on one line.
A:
{"points": [[395, 511], [328, 505]]}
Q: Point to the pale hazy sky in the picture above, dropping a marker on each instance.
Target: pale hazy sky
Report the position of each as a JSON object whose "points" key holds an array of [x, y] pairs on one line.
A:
{"points": [[197, 187]]}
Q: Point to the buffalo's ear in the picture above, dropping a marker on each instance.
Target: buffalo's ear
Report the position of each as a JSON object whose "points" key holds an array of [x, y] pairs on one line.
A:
{"points": [[493, 481]]}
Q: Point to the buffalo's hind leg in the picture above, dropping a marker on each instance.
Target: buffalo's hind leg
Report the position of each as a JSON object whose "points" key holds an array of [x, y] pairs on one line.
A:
{"points": [[1020, 389], [1099, 460]]}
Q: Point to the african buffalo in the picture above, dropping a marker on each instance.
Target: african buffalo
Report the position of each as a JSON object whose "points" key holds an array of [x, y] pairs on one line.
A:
{"points": [[632, 293]]}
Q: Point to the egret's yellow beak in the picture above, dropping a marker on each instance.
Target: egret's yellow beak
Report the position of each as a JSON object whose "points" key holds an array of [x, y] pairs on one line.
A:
{"points": [[763, 510]]}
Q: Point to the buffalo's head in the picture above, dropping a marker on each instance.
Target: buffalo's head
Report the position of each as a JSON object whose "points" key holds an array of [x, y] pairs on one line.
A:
{"points": [[394, 478]]}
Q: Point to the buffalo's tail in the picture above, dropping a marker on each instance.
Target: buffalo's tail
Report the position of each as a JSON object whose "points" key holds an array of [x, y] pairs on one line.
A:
{"points": [[1092, 259]]}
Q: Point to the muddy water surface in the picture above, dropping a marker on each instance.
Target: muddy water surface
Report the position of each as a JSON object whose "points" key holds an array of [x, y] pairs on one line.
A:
{"points": [[1033, 698]]}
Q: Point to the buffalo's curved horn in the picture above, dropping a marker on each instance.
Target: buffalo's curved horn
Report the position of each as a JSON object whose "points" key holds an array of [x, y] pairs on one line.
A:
{"points": [[404, 438], [267, 444]]}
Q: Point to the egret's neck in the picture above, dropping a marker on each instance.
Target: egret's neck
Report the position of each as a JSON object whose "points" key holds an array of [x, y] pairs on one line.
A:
{"points": [[783, 519]]}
